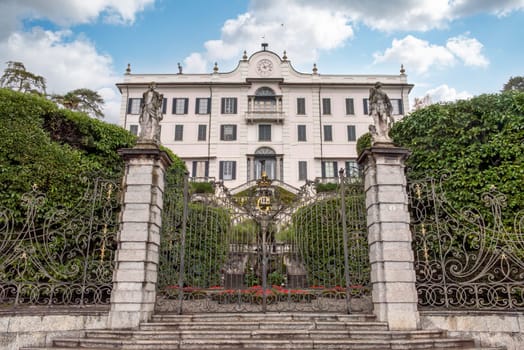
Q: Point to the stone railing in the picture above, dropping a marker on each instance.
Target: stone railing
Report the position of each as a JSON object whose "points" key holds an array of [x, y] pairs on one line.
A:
{"points": [[264, 116]]}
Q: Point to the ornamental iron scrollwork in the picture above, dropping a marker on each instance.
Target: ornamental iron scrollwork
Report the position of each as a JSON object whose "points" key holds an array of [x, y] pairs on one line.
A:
{"points": [[53, 255], [265, 248], [466, 258]]}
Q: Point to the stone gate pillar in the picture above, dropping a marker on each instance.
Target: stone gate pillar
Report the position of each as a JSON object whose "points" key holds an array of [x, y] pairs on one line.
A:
{"points": [[389, 237], [136, 257]]}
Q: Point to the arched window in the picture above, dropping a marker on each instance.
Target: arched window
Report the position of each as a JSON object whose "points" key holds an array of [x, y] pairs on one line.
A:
{"points": [[265, 151], [265, 159], [264, 91], [265, 100]]}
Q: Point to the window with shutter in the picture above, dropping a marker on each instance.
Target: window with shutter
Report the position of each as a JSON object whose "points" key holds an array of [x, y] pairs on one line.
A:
{"points": [[227, 170], [228, 132], [302, 170], [301, 131], [352, 168], [264, 132], [180, 105], [202, 132], [352, 134], [133, 129], [326, 106], [301, 106], [203, 106], [179, 132], [397, 107], [200, 169], [328, 133], [329, 169], [350, 106], [133, 105], [229, 105], [164, 105]]}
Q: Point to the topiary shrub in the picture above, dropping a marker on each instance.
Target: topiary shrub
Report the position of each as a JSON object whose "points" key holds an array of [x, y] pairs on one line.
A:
{"points": [[202, 187], [327, 187], [363, 142], [319, 236]]}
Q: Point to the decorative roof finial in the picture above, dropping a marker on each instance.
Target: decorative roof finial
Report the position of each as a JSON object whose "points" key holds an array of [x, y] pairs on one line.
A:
{"points": [[128, 69], [179, 68], [315, 70], [264, 46], [285, 56], [244, 57], [402, 70], [215, 68]]}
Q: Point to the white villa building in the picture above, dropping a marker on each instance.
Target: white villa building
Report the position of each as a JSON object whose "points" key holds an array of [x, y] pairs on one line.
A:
{"points": [[228, 126]]}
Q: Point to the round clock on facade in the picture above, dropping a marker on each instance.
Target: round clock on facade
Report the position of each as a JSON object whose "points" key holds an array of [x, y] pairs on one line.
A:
{"points": [[264, 67]]}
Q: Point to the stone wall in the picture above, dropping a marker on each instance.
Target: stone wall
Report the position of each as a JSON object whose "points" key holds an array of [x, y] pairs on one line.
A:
{"points": [[39, 327], [487, 328]]}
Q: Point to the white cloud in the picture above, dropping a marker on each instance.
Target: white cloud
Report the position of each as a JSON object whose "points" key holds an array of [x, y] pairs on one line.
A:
{"points": [[302, 27], [69, 12], [420, 15], [416, 54], [421, 56], [67, 62], [401, 15], [300, 30], [468, 50], [112, 101], [444, 93], [195, 63], [498, 8], [306, 27]]}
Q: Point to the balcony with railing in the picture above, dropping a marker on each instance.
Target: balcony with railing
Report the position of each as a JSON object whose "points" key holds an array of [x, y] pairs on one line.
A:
{"points": [[264, 107], [258, 116]]}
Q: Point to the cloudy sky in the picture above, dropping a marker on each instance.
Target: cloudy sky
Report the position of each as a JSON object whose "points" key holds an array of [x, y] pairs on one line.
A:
{"points": [[450, 48]]}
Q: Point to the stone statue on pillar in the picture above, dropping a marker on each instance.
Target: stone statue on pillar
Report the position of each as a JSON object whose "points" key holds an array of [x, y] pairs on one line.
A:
{"points": [[151, 115], [380, 108]]}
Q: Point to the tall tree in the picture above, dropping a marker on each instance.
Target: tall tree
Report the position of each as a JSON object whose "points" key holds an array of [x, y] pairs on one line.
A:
{"points": [[16, 77], [514, 84], [82, 100]]}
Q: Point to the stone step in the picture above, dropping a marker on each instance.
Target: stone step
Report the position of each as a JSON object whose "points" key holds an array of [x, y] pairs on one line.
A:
{"points": [[266, 334], [262, 331], [227, 317], [237, 348], [223, 344], [252, 325]]}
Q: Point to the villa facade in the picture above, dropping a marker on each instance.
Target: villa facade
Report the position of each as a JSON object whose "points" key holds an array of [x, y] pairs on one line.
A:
{"points": [[262, 115]]}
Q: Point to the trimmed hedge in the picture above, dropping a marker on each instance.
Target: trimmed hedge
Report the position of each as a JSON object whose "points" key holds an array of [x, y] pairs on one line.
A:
{"points": [[478, 143]]}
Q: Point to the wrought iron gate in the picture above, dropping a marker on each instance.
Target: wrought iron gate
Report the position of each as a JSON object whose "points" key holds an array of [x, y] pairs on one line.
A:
{"points": [[268, 248]]}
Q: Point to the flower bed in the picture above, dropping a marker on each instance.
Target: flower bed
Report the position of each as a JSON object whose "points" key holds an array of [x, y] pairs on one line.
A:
{"points": [[255, 294]]}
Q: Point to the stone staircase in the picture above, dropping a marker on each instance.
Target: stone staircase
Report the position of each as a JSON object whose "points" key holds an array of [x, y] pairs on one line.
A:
{"points": [[262, 331]]}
